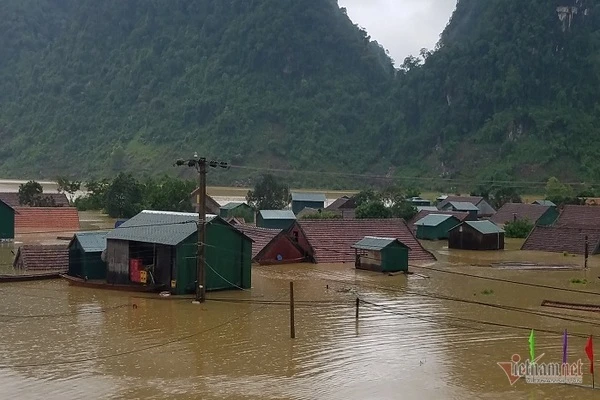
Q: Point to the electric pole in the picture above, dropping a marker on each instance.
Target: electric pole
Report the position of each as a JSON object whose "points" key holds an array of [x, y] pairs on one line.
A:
{"points": [[200, 165]]}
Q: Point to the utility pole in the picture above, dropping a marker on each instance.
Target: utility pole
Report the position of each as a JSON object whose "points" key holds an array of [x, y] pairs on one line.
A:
{"points": [[200, 165]]}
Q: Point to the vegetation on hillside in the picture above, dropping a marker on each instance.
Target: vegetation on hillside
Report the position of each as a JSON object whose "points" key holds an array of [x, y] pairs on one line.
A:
{"points": [[91, 89]]}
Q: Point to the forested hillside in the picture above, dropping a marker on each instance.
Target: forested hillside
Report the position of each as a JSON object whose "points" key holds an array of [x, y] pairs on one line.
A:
{"points": [[89, 88]]}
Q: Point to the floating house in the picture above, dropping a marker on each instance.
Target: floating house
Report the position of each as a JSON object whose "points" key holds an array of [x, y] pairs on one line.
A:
{"points": [[7, 221], [483, 207], [243, 210], [435, 226], [381, 254], [331, 241], [42, 258], [458, 206], [46, 219], [160, 248], [476, 235], [275, 219], [273, 246], [563, 239], [85, 255], [536, 214], [301, 200], [212, 206], [56, 199]]}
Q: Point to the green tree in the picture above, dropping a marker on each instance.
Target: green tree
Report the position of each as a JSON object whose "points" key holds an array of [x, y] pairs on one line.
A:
{"points": [[242, 212], [169, 194], [367, 196], [322, 215], [64, 185], [268, 194], [403, 209], [504, 195], [95, 198], [557, 192], [124, 197], [518, 229], [32, 194], [373, 210]]}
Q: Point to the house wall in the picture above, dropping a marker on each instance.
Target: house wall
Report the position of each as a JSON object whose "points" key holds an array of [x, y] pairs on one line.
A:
{"points": [[471, 239], [297, 235], [394, 259], [85, 265], [117, 260], [549, 217], [282, 245], [371, 261], [7, 222], [273, 223], [298, 206]]}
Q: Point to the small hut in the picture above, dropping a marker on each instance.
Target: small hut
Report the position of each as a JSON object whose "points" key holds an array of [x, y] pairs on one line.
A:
{"points": [[85, 255], [462, 206], [435, 226], [381, 254], [476, 235], [275, 219]]}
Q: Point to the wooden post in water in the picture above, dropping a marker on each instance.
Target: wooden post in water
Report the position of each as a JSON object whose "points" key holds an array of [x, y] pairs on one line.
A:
{"points": [[357, 305], [585, 265], [292, 322]]}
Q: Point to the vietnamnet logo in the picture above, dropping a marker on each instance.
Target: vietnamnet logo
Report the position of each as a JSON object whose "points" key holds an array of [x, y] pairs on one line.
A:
{"points": [[536, 372]]}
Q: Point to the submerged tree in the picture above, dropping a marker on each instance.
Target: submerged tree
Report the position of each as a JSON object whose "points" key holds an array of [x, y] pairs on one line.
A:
{"points": [[32, 194], [124, 197], [268, 194]]}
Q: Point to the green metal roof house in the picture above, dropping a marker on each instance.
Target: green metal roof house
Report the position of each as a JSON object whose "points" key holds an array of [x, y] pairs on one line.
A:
{"points": [[462, 206], [476, 235], [275, 219], [7, 222], [435, 226], [165, 245], [381, 254], [85, 255], [301, 200], [230, 210]]}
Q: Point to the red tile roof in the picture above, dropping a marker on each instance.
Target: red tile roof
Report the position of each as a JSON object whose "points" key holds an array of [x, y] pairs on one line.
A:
{"points": [[560, 239], [507, 212], [261, 236], [332, 239], [42, 258], [46, 219], [462, 216], [572, 215], [12, 199]]}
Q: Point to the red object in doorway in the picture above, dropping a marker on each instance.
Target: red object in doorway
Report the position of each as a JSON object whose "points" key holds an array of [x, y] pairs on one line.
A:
{"points": [[135, 266]]}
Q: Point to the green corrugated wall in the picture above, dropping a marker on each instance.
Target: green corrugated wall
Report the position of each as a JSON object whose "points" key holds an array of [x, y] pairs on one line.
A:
{"points": [[228, 252], [7, 222], [394, 258], [85, 265]]}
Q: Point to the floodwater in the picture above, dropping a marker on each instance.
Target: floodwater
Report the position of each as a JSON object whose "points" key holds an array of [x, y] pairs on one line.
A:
{"points": [[432, 335]]}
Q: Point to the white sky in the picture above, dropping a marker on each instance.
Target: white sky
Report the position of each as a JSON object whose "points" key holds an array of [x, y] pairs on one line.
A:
{"points": [[401, 26]]}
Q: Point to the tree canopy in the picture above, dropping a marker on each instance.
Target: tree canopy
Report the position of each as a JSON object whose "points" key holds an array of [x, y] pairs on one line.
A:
{"points": [[269, 194]]}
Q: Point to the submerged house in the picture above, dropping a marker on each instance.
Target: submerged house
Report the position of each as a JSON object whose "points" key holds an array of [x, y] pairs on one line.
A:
{"points": [[484, 208], [162, 246], [273, 246], [476, 235], [546, 203], [435, 226], [344, 206], [7, 221], [46, 219], [212, 206], [54, 258], [55, 199], [458, 206], [381, 254], [85, 255], [231, 210], [331, 241], [536, 214], [301, 200], [275, 219], [419, 202]]}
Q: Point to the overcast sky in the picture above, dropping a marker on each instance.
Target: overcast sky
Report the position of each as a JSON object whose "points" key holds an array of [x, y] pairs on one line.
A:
{"points": [[401, 26]]}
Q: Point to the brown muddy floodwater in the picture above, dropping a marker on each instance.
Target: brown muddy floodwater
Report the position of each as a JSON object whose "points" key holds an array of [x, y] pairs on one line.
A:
{"points": [[417, 337]]}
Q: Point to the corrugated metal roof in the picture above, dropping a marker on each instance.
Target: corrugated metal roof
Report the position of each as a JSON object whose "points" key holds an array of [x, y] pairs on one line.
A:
{"points": [[546, 203], [159, 227], [277, 214], [427, 208], [375, 243], [485, 227], [231, 206], [433, 220], [92, 242], [463, 206], [301, 196]]}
